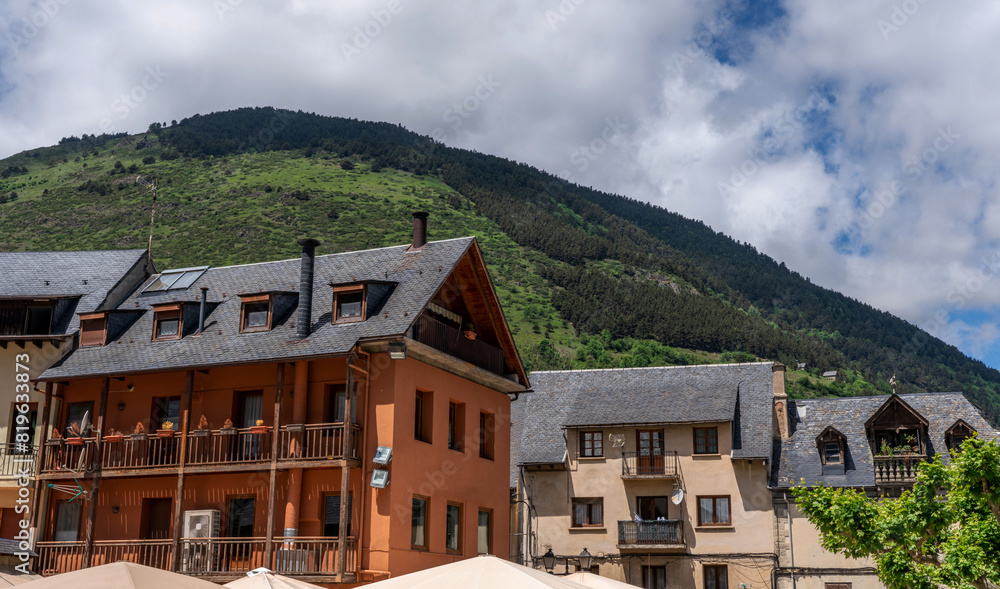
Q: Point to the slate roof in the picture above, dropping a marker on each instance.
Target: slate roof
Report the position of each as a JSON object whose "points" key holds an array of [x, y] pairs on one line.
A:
{"points": [[24, 274], [418, 274], [798, 457], [675, 394]]}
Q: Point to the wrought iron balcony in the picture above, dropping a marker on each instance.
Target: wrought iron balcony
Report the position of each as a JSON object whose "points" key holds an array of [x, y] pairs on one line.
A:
{"points": [[644, 465], [667, 533]]}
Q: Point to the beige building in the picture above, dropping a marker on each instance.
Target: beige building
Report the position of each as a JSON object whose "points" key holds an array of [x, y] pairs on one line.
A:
{"points": [[42, 297], [660, 474]]}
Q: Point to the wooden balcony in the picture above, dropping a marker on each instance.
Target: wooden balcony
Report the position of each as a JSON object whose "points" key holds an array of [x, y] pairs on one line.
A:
{"points": [[451, 341], [312, 559], [897, 470], [320, 444], [17, 460], [651, 535], [646, 465]]}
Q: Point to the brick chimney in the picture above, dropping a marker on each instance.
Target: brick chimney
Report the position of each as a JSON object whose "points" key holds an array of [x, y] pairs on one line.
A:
{"points": [[781, 425]]}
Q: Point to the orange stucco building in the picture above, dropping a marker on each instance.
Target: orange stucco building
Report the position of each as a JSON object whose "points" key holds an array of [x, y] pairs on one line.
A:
{"points": [[214, 421]]}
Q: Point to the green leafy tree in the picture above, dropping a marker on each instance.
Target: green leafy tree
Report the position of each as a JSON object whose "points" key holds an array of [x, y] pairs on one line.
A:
{"points": [[944, 532]]}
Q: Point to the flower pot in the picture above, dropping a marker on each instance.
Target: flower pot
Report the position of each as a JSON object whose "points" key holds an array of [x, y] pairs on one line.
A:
{"points": [[141, 437], [470, 335], [296, 428], [74, 441], [258, 429], [55, 442], [228, 431], [164, 433], [114, 438], [200, 433]]}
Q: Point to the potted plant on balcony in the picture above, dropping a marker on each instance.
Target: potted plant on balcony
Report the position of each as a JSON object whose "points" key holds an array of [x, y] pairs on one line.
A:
{"points": [[114, 436], [139, 433], [227, 428], [166, 429], [260, 428], [73, 435], [56, 439], [203, 430], [470, 331]]}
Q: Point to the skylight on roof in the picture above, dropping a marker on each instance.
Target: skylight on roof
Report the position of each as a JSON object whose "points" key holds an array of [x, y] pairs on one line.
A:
{"points": [[175, 279]]}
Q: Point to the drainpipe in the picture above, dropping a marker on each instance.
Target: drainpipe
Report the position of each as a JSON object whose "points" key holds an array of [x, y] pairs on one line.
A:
{"points": [[299, 411], [304, 322], [791, 551]]}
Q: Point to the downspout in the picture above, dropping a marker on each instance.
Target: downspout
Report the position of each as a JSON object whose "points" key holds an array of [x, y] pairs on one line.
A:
{"points": [[791, 550], [359, 534]]}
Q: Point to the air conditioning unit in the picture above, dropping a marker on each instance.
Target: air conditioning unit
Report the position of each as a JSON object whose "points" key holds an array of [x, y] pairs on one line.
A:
{"points": [[198, 552]]}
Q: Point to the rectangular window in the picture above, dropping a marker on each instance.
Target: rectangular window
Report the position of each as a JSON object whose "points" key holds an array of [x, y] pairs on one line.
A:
{"points": [[93, 329], [713, 511], [485, 531], [67, 524], [348, 304], [156, 522], [706, 440], [336, 404], [654, 577], [167, 323], [453, 528], [486, 431], [241, 513], [331, 515], [76, 413], [456, 426], [418, 526], [256, 313], [716, 576], [588, 511], [651, 508], [166, 409], [422, 416], [39, 321], [831, 452], [592, 444], [837, 586]]}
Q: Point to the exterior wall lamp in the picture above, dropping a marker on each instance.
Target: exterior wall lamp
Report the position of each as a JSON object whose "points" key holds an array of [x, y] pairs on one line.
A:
{"points": [[549, 561]]}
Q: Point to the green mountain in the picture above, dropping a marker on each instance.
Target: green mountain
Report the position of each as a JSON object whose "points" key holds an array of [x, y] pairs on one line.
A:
{"points": [[588, 279]]}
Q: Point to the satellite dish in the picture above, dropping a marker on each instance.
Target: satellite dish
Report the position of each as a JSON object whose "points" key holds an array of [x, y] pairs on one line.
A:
{"points": [[677, 496], [84, 423]]}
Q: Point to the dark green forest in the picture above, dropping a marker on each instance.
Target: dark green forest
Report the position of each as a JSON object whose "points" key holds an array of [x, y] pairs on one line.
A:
{"points": [[612, 268]]}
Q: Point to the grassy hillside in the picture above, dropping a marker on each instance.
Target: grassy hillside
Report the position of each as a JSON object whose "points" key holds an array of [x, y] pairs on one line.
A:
{"points": [[587, 279]]}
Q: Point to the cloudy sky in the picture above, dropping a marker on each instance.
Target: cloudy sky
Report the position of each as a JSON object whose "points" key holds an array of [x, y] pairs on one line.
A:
{"points": [[852, 140]]}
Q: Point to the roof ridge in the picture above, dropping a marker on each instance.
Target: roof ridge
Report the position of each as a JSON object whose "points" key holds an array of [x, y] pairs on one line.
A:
{"points": [[884, 396], [76, 251], [575, 370]]}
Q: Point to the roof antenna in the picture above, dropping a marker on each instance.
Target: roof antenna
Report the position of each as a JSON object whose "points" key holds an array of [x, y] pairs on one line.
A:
{"points": [[151, 185]]}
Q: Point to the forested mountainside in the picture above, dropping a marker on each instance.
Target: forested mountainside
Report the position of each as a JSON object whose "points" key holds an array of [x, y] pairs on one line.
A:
{"points": [[588, 279]]}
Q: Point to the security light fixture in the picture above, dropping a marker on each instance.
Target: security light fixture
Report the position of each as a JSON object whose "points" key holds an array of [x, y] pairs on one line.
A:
{"points": [[397, 350], [383, 455], [549, 560], [585, 559], [380, 478]]}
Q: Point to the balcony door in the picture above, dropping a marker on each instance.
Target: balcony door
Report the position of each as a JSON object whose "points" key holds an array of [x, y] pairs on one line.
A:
{"points": [[649, 443], [652, 508], [249, 408], [156, 521], [26, 428], [241, 514]]}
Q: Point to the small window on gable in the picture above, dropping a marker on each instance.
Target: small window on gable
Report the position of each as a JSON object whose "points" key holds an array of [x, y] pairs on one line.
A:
{"points": [[93, 329], [832, 444], [958, 433], [168, 322], [255, 314], [348, 303]]}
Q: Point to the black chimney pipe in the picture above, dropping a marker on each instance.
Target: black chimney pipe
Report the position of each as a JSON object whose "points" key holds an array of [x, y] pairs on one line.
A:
{"points": [[419, 229], [304, 322], [201, 310]]}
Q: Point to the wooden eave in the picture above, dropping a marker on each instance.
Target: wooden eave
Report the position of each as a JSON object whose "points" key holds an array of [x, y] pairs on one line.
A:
{"points": [[959, 422], [830, 430], [894, 400]]}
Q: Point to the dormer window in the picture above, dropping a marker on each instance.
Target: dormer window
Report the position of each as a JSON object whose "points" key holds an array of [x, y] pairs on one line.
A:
{"points": [[168, 322], [93, 329], [832, 444], [256, 313], [38, 320], [897, 429], [958, 433], [348, 303]]}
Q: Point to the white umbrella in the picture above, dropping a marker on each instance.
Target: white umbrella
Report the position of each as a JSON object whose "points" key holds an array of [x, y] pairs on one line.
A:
{"points": [[120, 575], [265, 579], [483, 572], [592, 580]]}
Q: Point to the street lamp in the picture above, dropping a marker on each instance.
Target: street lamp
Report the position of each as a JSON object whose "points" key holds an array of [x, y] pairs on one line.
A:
{"points": [[585, 559], [549, 560]]}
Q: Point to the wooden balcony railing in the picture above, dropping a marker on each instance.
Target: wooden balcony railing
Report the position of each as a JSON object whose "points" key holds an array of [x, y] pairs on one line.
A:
{"points": [[236, 446], [897, 470], [649, 465], [208, 558], [17, 460], [449, 340], [661, 532]]}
